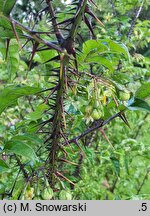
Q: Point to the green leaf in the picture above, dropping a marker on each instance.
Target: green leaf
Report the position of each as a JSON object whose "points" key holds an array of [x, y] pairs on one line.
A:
{"points": [[116, 164], [102, 61], [29, 139], [6, 30], [144, 91], [93, 46], [3, 165], [33, 116], [138, 104], [116, 47], [2, 186], [6, 6], [20, 148], [9, 96], [38, 113], [72, 109], [19, 186], [43, 56], [93, 50], [13, 57], [119, 87]]}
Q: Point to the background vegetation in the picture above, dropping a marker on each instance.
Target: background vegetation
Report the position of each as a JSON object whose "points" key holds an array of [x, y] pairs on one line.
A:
{"points": [[74, 99]]}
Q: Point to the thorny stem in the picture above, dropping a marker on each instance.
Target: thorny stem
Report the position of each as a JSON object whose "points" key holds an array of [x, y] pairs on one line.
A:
{"points": [[56, 130], [59, 113], [58, 117]]}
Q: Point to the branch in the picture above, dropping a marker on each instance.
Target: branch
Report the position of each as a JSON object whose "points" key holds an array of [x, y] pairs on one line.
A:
{"points": [[78, 168], [113, 8], [14, 184], [22, 168], [34, 35], [58, 33], [100, 123], [137, 14], [57, 122]]}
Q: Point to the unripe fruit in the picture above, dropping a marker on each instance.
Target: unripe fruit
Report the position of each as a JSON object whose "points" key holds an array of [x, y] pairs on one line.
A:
{"points": [[47, 194], [96, 104], [29, 194], [96, 114], [88, 109], [125, 96], [65, 195]]}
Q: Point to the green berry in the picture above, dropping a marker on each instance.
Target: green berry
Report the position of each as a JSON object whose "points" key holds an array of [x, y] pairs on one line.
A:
{"points": [[125, 96], [47, 194], [65, 195]]}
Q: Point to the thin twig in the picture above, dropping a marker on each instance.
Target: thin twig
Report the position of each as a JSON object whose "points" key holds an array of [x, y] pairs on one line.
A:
{"points": [[98, 124], [114, 185], [78, 18], [22, 168], [140, 126], [143, 182], [137, 14], [113, 7], [35, 36], [58, 33]]}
